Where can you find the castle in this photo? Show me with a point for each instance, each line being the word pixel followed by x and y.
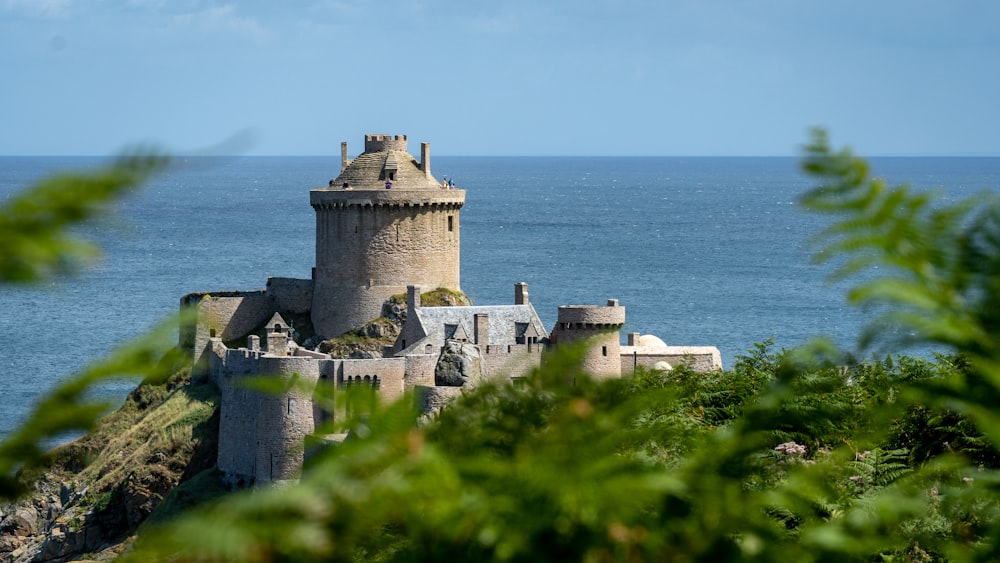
pixel 385 227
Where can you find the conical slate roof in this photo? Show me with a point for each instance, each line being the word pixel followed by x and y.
pixel 367 172
pixel 382 161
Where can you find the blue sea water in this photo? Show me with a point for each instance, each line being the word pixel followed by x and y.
pixel 701 251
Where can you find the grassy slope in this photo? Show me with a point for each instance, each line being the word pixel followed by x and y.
pixel 154 455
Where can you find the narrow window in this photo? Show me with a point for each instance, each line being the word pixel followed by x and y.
pixel 211 333
pixel 291 402
pixel 451 223
pixel 604 350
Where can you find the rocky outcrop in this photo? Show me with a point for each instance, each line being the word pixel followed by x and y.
pixel 102 486
pixel 459 365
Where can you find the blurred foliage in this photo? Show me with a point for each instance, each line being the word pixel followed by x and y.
pixel 791 455
pixel 37 242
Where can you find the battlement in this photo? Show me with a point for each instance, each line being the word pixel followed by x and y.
pixel 591 316
pixel 342 199
pixel 384 143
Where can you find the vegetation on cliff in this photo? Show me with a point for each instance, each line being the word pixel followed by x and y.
pixel 97 490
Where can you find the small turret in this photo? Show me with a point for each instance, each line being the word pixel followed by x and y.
pixel 600 327
pixel 278 334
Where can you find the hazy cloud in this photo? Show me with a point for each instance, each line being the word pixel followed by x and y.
pixel 36 8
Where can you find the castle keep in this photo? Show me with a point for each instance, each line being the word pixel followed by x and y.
pixel 382 224
pixel 385 227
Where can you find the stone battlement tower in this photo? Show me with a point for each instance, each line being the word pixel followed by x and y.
pixel 384 223
pixel 600 327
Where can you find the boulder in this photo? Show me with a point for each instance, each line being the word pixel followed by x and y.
pixel 23 522
pixel 459 365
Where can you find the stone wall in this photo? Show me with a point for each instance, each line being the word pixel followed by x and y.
pixel 388 371
pixel 229 315
pixel 238 412
pixel 290 295
pixel 371 244
pixel 512 360
pixel 261 435
pixel 284 420
pixel 420 369
pixel 699 358
pixel 430 400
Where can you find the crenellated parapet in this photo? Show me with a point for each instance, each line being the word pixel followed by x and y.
pixel 385 143
pixel 330 200
pixel 582 317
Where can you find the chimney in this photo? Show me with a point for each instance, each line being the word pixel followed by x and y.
pixel 482 329
pixel 343 156
pixel 520 293
pixel 425 158
pixel 412 298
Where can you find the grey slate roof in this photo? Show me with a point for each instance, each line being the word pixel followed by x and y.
pixel 506 322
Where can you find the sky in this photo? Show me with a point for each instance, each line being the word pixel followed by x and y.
pixel 508 78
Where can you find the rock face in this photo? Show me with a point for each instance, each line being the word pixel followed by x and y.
pixel 460 365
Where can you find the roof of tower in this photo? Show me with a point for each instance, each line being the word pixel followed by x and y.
pixel 385 158
pixel 364 180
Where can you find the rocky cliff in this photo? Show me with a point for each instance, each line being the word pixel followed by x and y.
pixel 103 486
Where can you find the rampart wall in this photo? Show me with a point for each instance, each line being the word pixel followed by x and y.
pixel 261 435
pixel 513 360
pixel 420 370
pixel 386 374
pixel 284 420
pixel 699 358
pixel 238 412
pixel 229 315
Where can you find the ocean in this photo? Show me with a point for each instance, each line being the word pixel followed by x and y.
pixel 700 251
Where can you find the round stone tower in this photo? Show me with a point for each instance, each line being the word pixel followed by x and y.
pixel 382 224
pixel 600 327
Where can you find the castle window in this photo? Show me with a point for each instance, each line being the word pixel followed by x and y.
pixel 291 403
pixel 604 350
pixel 451 223
pixel 211 333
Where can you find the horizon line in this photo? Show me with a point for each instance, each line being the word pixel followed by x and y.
pixel 337 156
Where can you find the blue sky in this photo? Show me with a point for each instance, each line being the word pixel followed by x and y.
pixel 514 77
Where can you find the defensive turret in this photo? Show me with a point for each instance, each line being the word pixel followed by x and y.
pixel 600 327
